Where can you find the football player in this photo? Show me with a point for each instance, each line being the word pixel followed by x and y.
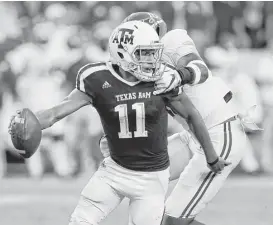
pixel 135 122
pixel 197 185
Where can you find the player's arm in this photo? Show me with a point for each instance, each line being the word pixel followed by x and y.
pixel 182 56
pixel 184 108
pixel 187 61
pixel 73 102
pixel 81 96
pixel 192 69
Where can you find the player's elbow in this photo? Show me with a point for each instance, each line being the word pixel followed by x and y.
pixel 200 71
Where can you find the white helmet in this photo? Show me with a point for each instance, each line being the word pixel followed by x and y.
pixel 128 45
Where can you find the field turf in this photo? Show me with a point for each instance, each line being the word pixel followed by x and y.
pixel 244 200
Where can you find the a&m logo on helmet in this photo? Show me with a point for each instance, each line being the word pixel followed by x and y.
pixel 124 36
pixel 135 47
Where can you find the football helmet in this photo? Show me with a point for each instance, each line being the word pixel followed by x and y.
pixel 135 47
pixel 153 20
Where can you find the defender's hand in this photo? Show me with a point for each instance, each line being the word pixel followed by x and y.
pixel 168 81
pixel 218 165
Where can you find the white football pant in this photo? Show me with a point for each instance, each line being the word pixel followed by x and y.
pixel 197 185
pixel 111 183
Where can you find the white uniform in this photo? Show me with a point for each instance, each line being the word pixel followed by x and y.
pixel 111 183
pixel 197 185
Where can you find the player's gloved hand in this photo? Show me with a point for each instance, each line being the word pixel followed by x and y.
pixel 168 81
pixel 218 165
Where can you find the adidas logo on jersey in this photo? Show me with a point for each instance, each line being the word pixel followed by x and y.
pixel 106 85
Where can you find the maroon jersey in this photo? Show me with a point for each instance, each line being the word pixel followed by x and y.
pixel 134 120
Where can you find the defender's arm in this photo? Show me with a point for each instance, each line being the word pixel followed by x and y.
pixel 181 53
pixel 192 69
pixel 73 102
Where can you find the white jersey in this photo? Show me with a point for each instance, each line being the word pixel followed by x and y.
pixel 207 97
pixel 177 44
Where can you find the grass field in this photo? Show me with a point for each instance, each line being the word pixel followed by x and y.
pixel 244 200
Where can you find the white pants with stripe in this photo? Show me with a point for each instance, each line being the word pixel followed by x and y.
pixel 197 185
pixel 111 183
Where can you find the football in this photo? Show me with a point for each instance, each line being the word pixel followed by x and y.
pixel 26 133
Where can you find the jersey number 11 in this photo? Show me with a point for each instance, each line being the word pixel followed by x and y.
pixel 124 123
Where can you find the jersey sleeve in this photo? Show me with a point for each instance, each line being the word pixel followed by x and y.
pixel 81 79
pixel 86 78
pixel 177 44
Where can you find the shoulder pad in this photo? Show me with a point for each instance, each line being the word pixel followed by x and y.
pixel 86 71
pixel 176 36
pixel 177 43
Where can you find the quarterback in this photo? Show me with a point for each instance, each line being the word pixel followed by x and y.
pixel 135 122
pixel 197 185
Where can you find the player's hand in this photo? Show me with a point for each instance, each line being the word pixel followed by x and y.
pixel 218 165
pixel 168 81
pixel 25 131
pixel 13 120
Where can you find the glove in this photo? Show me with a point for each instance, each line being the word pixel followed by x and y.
pixel 168 81
pixel 26 132
pixel 218 165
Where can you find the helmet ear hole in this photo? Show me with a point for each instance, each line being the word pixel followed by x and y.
pixel 120 55
pixel 157 31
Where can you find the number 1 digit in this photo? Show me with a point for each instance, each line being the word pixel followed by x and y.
pixel 124 123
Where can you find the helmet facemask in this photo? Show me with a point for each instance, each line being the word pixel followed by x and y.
pixel 146 62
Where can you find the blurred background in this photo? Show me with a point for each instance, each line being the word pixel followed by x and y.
pixel 44 44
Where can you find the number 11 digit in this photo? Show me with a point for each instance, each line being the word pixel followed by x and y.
pixel 124 123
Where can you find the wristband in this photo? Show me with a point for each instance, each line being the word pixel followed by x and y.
pixel 196 73
pixel 186 75
pixel 214 162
